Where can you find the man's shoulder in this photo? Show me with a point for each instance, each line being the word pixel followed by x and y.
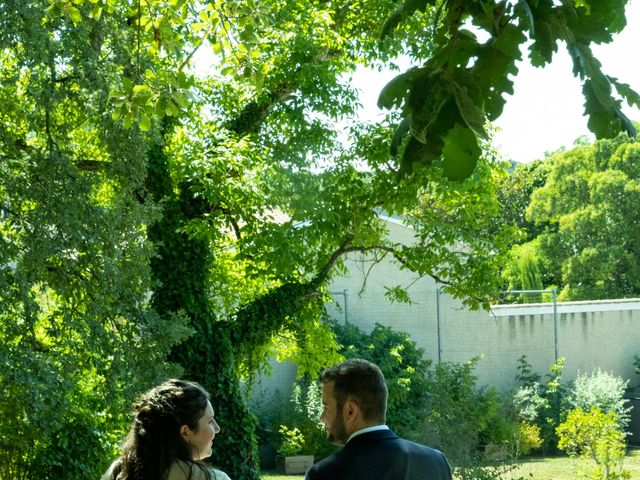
pixel 419 447
pixel 328 467
pixel 382 457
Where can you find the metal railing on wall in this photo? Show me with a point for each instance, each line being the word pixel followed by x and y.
pixel 344 309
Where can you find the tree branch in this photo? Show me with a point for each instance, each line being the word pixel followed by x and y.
pixel 397 256
pixel 323 274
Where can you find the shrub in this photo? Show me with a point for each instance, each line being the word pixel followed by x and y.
pixel 604 391
pixel 461 417
pixel 403 366
pixel 292 441
pixel 528 438
pixel 594 435
pixel 542 403
pixel 305 409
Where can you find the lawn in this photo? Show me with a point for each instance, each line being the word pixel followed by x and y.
pixel 547 468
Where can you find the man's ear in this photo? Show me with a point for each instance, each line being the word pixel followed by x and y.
pixel 350 410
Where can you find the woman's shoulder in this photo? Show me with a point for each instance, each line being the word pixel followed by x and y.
pixel 181 470
pixel 220 475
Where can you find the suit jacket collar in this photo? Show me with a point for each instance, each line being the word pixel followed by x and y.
pixel 370 437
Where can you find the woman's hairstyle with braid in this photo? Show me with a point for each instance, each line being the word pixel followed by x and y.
pixel 154 441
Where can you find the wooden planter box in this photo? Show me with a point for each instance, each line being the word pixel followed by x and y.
pixel 297 464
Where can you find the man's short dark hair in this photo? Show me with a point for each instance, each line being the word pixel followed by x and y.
pixel 362 382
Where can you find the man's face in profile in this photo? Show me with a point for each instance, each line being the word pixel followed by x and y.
pixel 332 416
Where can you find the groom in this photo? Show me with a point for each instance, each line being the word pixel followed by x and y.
pixel 354 396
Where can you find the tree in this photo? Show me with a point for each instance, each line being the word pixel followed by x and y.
pixel 515 191
pixel 78 338
pixel 143 203
pixel 588 246
pixel 522 270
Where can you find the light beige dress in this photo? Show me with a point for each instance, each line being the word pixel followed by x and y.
pixel 181 470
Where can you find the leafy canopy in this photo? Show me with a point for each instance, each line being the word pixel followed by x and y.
pixel 584 222
pixel 445 101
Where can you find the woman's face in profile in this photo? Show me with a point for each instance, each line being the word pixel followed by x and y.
pixel 201 438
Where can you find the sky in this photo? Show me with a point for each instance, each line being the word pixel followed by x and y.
pixel 546 110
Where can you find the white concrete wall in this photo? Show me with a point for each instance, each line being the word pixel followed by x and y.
pixel 604 334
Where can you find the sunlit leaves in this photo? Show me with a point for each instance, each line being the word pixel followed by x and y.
pixel 164 94
pixel 588 223
pixel 477 74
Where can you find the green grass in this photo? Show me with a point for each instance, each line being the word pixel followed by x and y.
pixel 544 468
pixel 562 467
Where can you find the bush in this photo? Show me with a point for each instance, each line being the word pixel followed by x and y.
pixel 461 417
pixel 305 409
pixel 601 390
pixel 292 441
pixel 594 435
pixel 403 366
pixel 542 403
pixel 528 438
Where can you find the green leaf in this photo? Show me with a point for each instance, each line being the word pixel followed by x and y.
pixel 74 13
pixel 523 5
pixel 605 120
pixel 394 92
pixel 96 12
pixel 145 122
pixel 141 88
pixel 629 94
pixel 470 112
pixel 460 153
pixel 399 134
pixel 171 109
pixel 408 8
pixel 228 71
pixel 397 294
pixel 180 99
pixel 544 44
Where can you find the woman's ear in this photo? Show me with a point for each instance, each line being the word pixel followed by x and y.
pixel 185 432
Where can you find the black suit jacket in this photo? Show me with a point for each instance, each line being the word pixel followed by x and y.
pixel 382 455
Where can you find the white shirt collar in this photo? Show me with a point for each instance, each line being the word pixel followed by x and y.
pixel 366 430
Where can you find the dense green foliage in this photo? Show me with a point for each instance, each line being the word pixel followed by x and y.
pixel 542 403
pixel 594 436
pixel 582 223
pixel 403 366
pixel 446 100
pixel 303 415
pixel 549 404
pixel 78 337
pixel 461 416
pixel 143 204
